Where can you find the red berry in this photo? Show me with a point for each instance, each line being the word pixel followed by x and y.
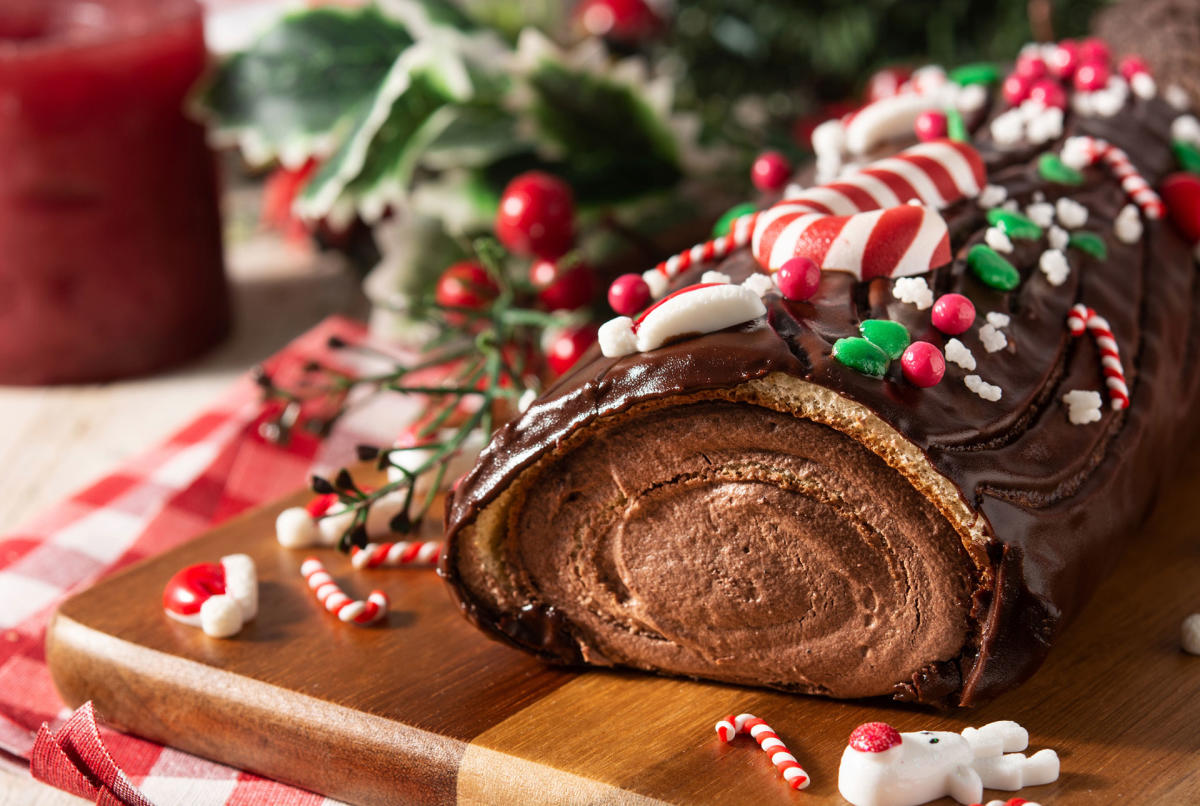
pixel 321 504
pixel 628 294
pixel 930 125
pixel 1048 93
pixel 569 346
pixel 1091 76
pixel 886 82
pixel 1094 51
pixel 953 314
pixel 770 171
pixel 1181 194
pixel 874 737
pixel 620 20
pixel 923 364
pixel 798 278
pixel 1031 66
pixel 536 216
pixel 1016 88
pixel 1132 66
pixel 465 285
pixel 1064 59
pixel 563 291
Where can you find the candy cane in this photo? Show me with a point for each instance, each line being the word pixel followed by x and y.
pixel 328 593
pixel 410 553
pixel 1083 318
pixel 860 224
pixel 769 741
pixel 1085 150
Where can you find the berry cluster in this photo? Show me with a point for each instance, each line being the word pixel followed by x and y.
pixel 1044 74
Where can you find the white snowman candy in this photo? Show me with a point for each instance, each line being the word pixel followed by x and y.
pixel 883 767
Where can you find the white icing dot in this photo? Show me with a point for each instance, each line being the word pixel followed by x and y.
pixel 1107 103
pixel 1071 213
pixel 759 283
pixel 1045 126
pixel 971 98
pixel 656 281
pixel 1127 226
pixel 1143 85
pixel 1190 634
pixel 958 353
pixel 992 196
pixel 993 340
pixel 1186 128
pixel 1030 109
pixel 1081 102
pixel 617 338
pixel 1038 196
pixel 1042 213
pixel 997 239
pixel 1058 238
pixel 1007 128
pixel 1177 97
pixel 714 277
pixel 1083 406
pixel 997 319
pixel 1076 153
pixel 1011 205
pixel 914 291
pixel 294 528
pixel 1053 264
pixel 985 390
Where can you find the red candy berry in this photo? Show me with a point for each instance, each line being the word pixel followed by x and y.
pixel 770 171
pixel 874 737
pixel 923 364
pixel 1091 76
pixel 1016 88
pixel 569 346
pixel 465 285
pixel 562 291
pixel 628 294
pixel 1048 93
pixel 1093 51
pixel 620 20
pixel 1064 59
pixel 1181 194
pixel 1031 66
pixel 1132 66
pixel 953 314
pixel 536 216
pixel 798 278
pixel 930 125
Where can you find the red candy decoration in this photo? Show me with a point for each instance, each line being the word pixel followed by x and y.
pixel 1094 51
pixel 953 314
pixel 1048 93
pixel 1031 66
pixel 321 504
pixel 569 346
pixel 1016 88
pixel 799 278
pixel 930 125
pixel 1065 59
pixel 1181 193
pixel 1091 76
pixel 874 737
pixel 620 20
pixel 1132 66
pixel 562 291
pixel 886 83
pixel 191 586
pixel 923 364
pixel 770 171
pixel 628 294
pixel 537 216
pixel 465 285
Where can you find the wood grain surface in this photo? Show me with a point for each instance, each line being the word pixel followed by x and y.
pixel 424 709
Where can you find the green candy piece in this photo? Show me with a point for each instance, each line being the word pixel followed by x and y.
pixel 1089 242
pixel 891 337
pixel 977 73
pixel 1187 155
pixel 1013 224
pixel 732 214
pixel 992 269
pixel 956 128
pixel 861 355
pixel 1053 169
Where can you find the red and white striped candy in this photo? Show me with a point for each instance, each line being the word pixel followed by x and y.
pixel 216 597
pixel 405 553
pixel 1084 150
pixel 695 309
pixel 334 599
pixel 769 741
pixel 1083 318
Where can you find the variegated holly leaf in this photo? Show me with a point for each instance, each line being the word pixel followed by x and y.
pixel 303 83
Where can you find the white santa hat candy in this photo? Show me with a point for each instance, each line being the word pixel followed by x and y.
pixel 697 309
pixel 217 597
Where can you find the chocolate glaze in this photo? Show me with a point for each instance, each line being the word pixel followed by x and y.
pixel 1060 501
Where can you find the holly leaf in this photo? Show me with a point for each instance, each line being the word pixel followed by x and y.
pixel 304 82
pixel 477 135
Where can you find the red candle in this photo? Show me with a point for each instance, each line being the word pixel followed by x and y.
pixel 110 242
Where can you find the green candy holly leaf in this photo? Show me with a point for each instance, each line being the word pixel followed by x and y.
pixel 1013 224
pixel 302 84
pixel 891 337
pixel 1187 155
pixel 977 73
pixel 729 216
pixel 1053 169
pixel 1090 243
pixel 992 269
pixel 861 355
pixel 956 127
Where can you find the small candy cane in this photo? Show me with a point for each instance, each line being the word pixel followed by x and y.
pixel 352 611
pixel 1085 150
pixel 1083 318
pixel 406 553
pixel 740 232
pixel 769 741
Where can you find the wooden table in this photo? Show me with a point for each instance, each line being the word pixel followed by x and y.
pixel 59 439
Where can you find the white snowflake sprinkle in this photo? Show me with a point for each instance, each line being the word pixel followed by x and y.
pixel 1144 86
pixel 1177 97
pixel 914 291
pixel 997 319
pixel 1041 213
pixel 1186 128
pixel 1011 205
pixel 958 353
pixel 1058 238
pixel 1038 196
pixel 1083 407
pixel 759 283
pixel 985 390
pixel 1047 125
pixel 992 196
pixel 1071 214
pixel 1127 226
pixel 1054 265
pixel 714 277
pixel 993 340
pixel 1008 127
pixel 997 239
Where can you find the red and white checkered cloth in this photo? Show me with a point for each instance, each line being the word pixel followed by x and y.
pixel 215 467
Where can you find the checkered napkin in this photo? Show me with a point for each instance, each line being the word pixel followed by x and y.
pixel 215 467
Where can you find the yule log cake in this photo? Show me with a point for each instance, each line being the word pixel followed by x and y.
pixel 885 435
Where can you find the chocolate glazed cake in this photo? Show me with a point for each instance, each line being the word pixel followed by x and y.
pixel 779 502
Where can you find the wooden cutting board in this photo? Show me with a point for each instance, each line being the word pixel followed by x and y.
pixel 425 709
